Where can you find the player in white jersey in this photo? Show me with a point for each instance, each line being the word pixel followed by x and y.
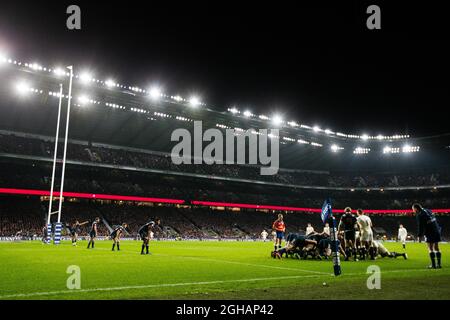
pixel 402 234
pixel 264 235
pixel 366 235
pixel 381 250
pixel 309 229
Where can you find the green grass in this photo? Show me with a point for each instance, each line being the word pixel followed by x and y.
pixel 209 270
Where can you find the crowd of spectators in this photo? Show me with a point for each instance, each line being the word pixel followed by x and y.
pixel 151 160
pixel 26 217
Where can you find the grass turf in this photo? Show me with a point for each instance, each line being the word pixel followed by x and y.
pixel 209 270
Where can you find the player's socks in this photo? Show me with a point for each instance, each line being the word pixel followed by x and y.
pixel 404 246
pixel 433 261
pixel 142 250
pixel 118 247
pixel 113 246
pixel 89 244
pixel 275 247
pixel 355 254
pixel 146 249
pixel 438 258
pixel 93 244
pixel 363 253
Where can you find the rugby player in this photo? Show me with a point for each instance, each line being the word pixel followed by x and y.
pixel 93 233
pixel 295 243
pixel 145 233
pixel 347 226
pixel 74 230
pixel 365 232
pixel 402 234
pixel 429 228
pixel 380 249
pixel 115 235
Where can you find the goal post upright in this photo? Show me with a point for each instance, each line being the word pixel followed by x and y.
pixel 58 226
pixel 55 155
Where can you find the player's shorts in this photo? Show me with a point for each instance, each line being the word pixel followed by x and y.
pixel 433 237
pixel 279 234
pixel 92 234
pixel 73 233
pixel 366 236
pixel 402 239
pixel 143 235
pixel 349 235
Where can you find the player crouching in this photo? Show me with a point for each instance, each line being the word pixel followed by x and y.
pixel 146 233
pixel 115 235
pixel 295 243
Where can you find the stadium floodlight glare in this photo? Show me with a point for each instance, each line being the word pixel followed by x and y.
pixel 83 99
pixel 155 93
pixel 233 110
pixel 380 137
pixel 110 83
pixel 59 71
pixel 247 113
pixel 277 120
pixel 85 77
pixel 365 137
pixel 293 124
pixel 22 88
pixel 263 117
pixel 407 148
pixel 334 148
pixel 177 98
pixel 316 129
pixel 3 58
pixel 194 101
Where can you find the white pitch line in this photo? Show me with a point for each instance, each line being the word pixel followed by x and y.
pixel 162 285
pixel 236 262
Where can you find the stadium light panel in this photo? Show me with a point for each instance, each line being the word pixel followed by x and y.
pixel 83 99
pixel 277 120
pixel 334 148
pixel 155 93
pixel 263 117
pixel 293 124
pixel 110 83
pixel 316 129
pixel 85 77
pixel 194 101
pixel 22 88
pixel 247 113
pixel 3 58
pixel 365 137
pixel 233 110
pixel 59 71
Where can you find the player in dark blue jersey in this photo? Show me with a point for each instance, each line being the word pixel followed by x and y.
pixel 74 230
pixel 429 228
pixel 294 242
pixel 115 235
pixel 347 226
pixel 93 233
pixel 146 233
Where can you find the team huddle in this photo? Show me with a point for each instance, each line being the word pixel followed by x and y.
pixel 355 238
pixel 145 232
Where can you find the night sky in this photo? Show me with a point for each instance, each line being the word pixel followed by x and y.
pixel 313 64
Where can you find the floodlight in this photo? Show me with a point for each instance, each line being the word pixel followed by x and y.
pixel 110 83
pixel 365 137
pixel 247 113
pixel 83 99
pixel 194 101
pixel 59 71
pixel 316 129
pixel 334 148
pixel 277 120
pixel 234 110
pixel 155 93
pixel 22 88
pixel 85 77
